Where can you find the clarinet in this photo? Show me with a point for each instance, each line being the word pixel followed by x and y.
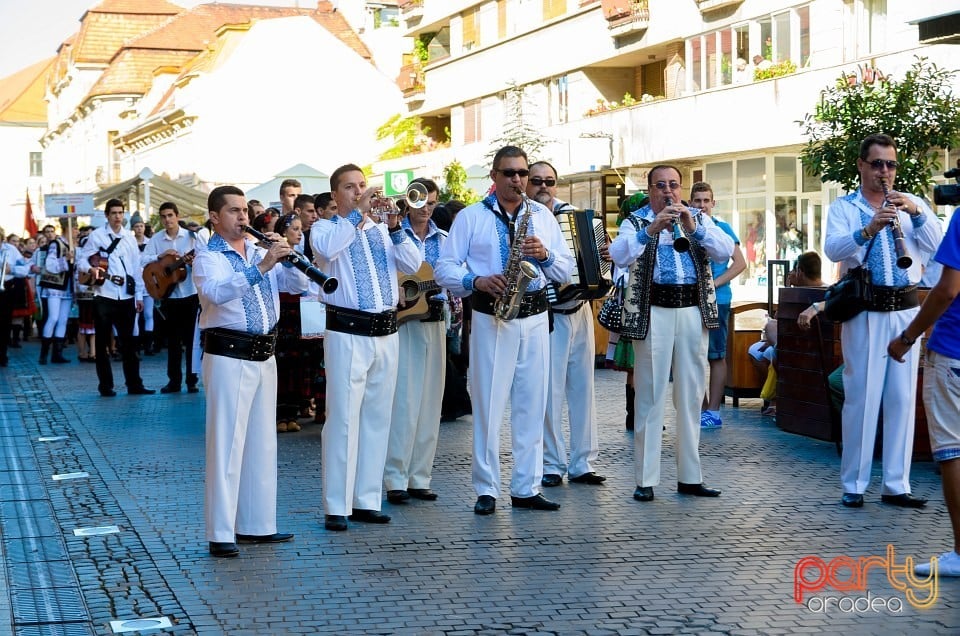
pixel 328 284
pixel 680 242
pixel 904 261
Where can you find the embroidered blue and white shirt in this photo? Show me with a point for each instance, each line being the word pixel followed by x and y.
pixel 234 294
pixel 364 258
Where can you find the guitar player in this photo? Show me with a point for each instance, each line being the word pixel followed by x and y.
pixel 181 308
pixel 415 423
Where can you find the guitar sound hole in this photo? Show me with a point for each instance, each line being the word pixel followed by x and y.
pixel 410 290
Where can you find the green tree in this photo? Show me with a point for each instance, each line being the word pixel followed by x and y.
pixel 517 131
pixel 406 133
pixel 455 184
pixel 919 112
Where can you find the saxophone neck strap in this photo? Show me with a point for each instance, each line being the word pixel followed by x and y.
pixel 507 220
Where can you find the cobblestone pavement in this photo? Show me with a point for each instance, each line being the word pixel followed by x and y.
pixel 603 564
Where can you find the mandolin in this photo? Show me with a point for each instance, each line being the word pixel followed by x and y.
pixel 415 291
pixel 163 275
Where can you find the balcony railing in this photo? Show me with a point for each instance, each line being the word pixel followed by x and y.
pixel 624 16
pixel 411 9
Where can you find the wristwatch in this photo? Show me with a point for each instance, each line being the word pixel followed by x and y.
pixel 905 340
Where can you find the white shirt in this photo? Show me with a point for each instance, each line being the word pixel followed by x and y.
pixel 124 261
pixel 234 294
pixel 479 245
pixel 11 256
pixel 184 242
pixel 364 261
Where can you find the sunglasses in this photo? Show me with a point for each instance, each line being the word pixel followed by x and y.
pixel 510 173
pixel 877 164
pixel 537 181
pixel 662 185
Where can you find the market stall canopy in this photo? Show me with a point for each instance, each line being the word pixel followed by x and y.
pixel 191 202
pixel 311 180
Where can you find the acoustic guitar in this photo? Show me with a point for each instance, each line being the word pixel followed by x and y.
pixel 163 275
pixel 415 291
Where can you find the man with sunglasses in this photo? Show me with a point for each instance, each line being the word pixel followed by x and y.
pixel 571 367
pixel 870 377
pixel 669 306
pixel 509 359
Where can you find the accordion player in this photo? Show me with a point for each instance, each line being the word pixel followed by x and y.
pixel 585 236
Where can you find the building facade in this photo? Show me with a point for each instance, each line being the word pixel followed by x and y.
pixel 716 87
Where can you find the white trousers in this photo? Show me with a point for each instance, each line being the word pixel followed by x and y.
pixel 872 379
pixel 241 438
pixel 571 377
pixel 58 312
pixel 509 361
pixel 415 425
pixel 361 379
pixel 676 338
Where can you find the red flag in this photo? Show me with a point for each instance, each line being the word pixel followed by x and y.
pixel 29 225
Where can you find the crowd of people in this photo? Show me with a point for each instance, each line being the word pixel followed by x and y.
pixel 346 309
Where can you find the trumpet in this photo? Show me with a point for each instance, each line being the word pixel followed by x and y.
pixel 904 260
pixel 328 284
pixel 680 242
pixel 415 197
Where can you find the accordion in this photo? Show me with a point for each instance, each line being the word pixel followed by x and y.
pixel 585 236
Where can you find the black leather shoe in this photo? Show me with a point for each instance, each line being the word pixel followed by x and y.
pixel 108 393
pixel 551 481
pixel 852 500
pixel 905 500
pixel 193 388
pixel 643 493
pixel 276 537
pixel 398 496
pixel 588 478
pixel 536 502
pixel 486 505
pixel 424 494
pixel 337 523
pixel 697 490
pixel 223 550
pixel 140 390
pixel 170 388
pixel 369 516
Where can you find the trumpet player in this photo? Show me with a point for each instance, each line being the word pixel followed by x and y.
pixel 237 283
pixel 509 358
pixel 364 251
pixel 671 297
pixel 871 379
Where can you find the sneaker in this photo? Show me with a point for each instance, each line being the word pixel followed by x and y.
pixel 708 420
pixel 948 564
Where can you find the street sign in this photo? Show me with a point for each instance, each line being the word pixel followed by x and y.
pixel 55 205
pixel 395 184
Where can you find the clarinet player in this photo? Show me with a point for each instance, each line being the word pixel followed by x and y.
pixel 507 246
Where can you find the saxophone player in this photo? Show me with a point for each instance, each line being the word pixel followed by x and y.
pixel 485 256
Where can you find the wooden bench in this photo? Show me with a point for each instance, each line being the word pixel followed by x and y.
pixel 744 327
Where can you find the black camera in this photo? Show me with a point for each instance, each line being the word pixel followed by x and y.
pixel 948 194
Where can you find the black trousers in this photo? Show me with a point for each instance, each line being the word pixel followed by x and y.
pixel 181 322
pixel 120 314
pixel 6 317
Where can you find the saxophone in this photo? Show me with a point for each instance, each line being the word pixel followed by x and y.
pixel 518 272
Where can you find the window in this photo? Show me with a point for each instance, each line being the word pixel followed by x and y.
pixel 803 14
pixel 471 29
pixel 471 122
pixel 559 100
pixel 36 164
pixel 554 8
pixel 652 78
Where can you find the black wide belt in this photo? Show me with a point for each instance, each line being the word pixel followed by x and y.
pixel 531 304
pixel 239 344
pixel 436 311
pixel 568 312
pixel 361 323
pixel 674 296
pixel 893 298
pixel 117 280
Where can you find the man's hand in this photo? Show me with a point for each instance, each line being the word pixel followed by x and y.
pixel 278 251
pixel 533 247
pixel 495 285
pixel 897 348
pixel 139 305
